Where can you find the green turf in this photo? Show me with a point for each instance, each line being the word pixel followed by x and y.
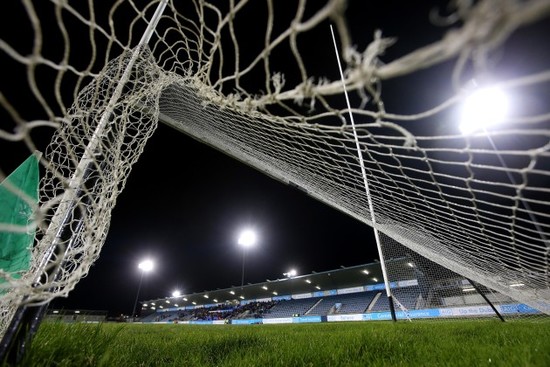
pixel 420 343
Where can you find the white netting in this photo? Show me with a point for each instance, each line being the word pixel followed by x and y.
pixel 419 285
pixel 476 204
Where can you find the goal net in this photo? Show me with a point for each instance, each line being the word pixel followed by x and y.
pixel 86 84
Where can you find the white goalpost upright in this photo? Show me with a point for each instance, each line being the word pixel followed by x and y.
pixel 365 183
pixel 451 212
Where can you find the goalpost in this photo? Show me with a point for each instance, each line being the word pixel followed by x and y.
pixel 472 207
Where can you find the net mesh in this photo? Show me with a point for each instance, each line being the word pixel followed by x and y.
pixel 422 288
pixel 245 77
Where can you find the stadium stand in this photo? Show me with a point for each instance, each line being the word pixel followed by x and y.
pixel 346 294
pixel 380 303
pixel 70 316
pixel 356 302
pixel 294 307
pixel 343 303
pixel 408 297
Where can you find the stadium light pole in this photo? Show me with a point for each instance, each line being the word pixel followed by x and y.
pixel 482 108
pixel 145 266
pixel 246 240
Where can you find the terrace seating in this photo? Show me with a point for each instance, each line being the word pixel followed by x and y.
pixel 348 303
pixel 288 308
pixel 407 297
pixel 356 302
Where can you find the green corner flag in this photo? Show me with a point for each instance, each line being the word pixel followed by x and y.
pixel 15 247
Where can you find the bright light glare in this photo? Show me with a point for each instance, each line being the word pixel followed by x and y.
pixel 291 273
pixel 146 265
pixel 176 293
pixel 247 238
pixel 483 108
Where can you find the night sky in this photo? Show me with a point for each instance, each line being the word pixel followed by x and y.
pixel 185 203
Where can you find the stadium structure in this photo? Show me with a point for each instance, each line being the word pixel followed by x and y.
pixel 353 293
pixel 72 316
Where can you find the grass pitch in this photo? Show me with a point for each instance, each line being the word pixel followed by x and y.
pixel 419 343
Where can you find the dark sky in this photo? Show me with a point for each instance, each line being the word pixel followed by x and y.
pixel 185 203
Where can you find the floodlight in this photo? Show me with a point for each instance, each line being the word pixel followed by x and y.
pixel 146 265
pixel 291 273
pixel 247 238
pixel 483 108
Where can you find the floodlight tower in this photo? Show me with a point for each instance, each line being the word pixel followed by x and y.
pixel 482 108
pixel 246 240
pixel 145 266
